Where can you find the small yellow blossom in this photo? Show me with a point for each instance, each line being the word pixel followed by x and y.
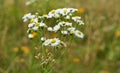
pixel 15 50
pixel 76 60
pixel 117 33
pixel 80 10
pixel 37 24
pixel 34 34
pixel 53 11
pixel 79 32
pixel 65 11
pixel 25 49
pixel 32 20
pixel 53 41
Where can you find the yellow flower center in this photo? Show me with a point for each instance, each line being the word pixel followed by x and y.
pixel 37 24
pixel 65 11
pixel 32 20
pixel 76 16
pixel 45 15
pixel 79 32
pixel 53 41
pixel 117 33
pixel 53 11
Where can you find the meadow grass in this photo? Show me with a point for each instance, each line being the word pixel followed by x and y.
pixel 98 52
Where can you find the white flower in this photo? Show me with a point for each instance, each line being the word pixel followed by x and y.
pixel 68 24
pixel 35 28
pixel 71 30
pixel 35 20
pixel 27 17
pixel 64 32
pixel 80 22
pixel 76 18
pixel 53 14
pixel 30 36
pixel 50 29
pixel 54 42
pixel 43 38
pixel 67 17
pixel 64 23
pixel 79 34
pixel 31 25
pixel 42 24
pixel 64 12
pixel 56 28
pixel 47 42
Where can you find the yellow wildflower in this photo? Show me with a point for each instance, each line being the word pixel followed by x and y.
pixel 32 20
pixel 53 11
pixel 76 60
pixel 80 10
pixel 25 49
pixel 117 33
pixel 37 24
pixel 34 34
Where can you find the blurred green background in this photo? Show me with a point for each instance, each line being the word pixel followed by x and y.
pixel 98 52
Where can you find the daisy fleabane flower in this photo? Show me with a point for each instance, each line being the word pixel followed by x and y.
pixel 43 39
pixel 64 32
pixel 62 23
pixel 61 12
pixel 78 20
pixel 52 42
pixel 79 34
pixel 28 16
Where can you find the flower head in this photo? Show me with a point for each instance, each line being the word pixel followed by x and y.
pixel 25 49
pixel 117 33
pixel 80 10
pixel 52 42
pixel 27 17
pixel 34 34
pixel 79 34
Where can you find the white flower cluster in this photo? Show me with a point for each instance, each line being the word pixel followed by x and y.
pixel 34 24
pixel 61 12
pixel 65 23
